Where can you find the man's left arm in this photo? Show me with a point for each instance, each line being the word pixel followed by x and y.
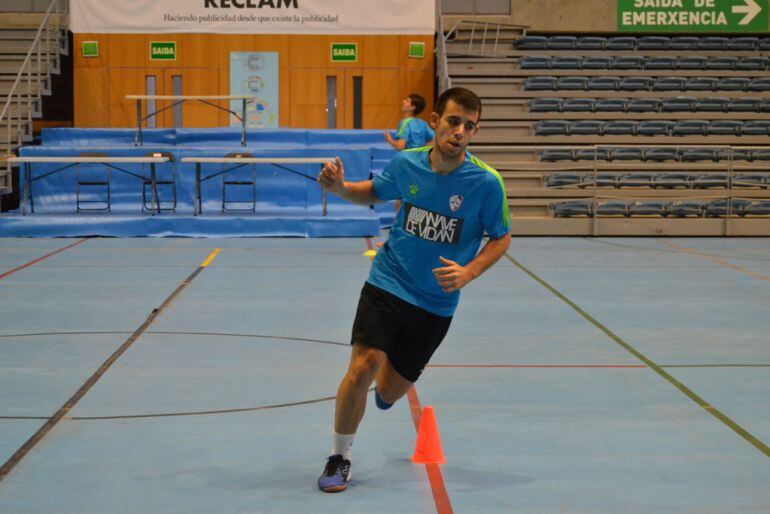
pixel 452 276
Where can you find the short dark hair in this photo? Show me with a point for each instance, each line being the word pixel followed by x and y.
pixel 462 97
pixel 418 102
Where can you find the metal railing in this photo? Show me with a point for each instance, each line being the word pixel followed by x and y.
pixel 485 36
pixel 35 71
pixel 442 68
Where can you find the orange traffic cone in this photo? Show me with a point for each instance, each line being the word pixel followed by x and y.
pixel 428 448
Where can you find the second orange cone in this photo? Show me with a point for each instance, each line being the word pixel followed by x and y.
pixel 428 448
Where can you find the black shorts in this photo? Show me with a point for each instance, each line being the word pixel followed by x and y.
pixel 406 333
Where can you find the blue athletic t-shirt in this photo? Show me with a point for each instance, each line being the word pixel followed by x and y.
pixel 415 132
pixel 440 215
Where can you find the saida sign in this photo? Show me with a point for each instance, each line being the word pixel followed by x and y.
pixel 692 15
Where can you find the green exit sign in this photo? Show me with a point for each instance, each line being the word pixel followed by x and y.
pixel 90 48
pixel 692 15
pixel 162 50
pixel 344 52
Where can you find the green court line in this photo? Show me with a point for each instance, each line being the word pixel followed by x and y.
pixel 762 447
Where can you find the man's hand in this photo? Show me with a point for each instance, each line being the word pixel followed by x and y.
pixel 332 177
pixel 452 276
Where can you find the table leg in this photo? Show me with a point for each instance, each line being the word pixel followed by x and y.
pixel 154 201
pixel 197 207
pixel 26 185
pixel 138 136
pixel 243 122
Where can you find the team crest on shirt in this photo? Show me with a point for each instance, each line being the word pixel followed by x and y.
pixel 455 201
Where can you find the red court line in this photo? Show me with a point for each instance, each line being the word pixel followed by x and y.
pixel 35 261
pixel 440 496
pixel 538 366
pixel 369 244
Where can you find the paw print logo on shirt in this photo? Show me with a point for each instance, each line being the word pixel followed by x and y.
pixel 413 189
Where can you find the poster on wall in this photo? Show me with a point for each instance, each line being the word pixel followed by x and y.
pixel 253 16
pixel 256 74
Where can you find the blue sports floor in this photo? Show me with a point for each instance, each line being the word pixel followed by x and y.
pixel 579 376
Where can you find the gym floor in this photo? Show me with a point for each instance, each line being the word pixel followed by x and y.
pixel 580 375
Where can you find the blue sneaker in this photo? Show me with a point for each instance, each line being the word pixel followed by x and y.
pixel 336 475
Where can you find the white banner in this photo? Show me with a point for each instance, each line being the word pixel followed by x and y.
pixel 253 16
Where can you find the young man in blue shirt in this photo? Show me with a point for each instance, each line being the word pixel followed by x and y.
pixel 450 199
pixel 412 132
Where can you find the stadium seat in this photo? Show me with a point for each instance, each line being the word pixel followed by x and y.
pixel 679 104
pixel 566 63
pixel 601 154
pixel 648 208
pixel 552 128
pixel 742 43
pixel 561 43
pixel 744 104
pixel 572 83
pixel 563 179
pixel 761 154
pixel 669 84
pixel 557 154
pixel 534 63
pixel 623 43
pixel 661 154
pixel 660 63
pixel 623 153
pixel 701 84
pixel 674 180
pixel 578 105
pixel 757 208
pixel 654 128
pixel 764 105
pixel 591 43
pixel 597 63
pixel 686 209
pixel 711 43
pixel 733 84
pixel 546 104
pixel 653 43
pixel 603 83
pixel 628 63
pixel 738 154
pixel 645 105
pixel 753 64
pixel 700 154
pixel 723 206
pixel 531 43
pixel 611 104
pixel 691 63
pixel 764 43
pixel 683 43
pixel 612 208
pixel 587 128
pixel 759 84
pixel 572 208
pixel 710 180
pixel 636 83
pixel 724 128
pixel 756 128
pixel 620 128
pixel 637 180
pixel 750 180
pixel 540 83
pixel 712 104
pixel 690 128
pixel 602 180
pixel 721 63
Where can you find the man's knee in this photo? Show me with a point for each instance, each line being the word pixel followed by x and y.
pixel 364 366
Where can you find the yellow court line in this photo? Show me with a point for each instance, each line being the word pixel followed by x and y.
pixel 210 258
pixel 717 260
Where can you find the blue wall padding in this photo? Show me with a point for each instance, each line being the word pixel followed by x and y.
pixel 293 202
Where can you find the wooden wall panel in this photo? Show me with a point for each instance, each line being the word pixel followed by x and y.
pixel 304 63
pixel 92 98
pixel 195 81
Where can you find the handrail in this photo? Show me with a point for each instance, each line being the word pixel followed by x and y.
pixel 496 27
pixel 442 67
pixel 35 52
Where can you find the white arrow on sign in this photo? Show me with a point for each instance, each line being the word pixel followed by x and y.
pixel 751 9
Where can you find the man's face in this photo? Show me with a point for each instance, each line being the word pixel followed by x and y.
pixel 454 129
pixel 406 105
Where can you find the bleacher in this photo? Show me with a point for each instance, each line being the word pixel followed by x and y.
pixel 623 135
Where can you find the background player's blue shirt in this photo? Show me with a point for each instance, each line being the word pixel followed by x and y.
pixel 415 132
pixel 440 215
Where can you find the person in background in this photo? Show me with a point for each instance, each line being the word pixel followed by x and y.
pixel 411 132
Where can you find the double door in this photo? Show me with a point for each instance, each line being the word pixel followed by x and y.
pixel 165 81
